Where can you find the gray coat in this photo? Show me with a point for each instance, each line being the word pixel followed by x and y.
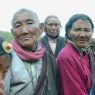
pixel 17 81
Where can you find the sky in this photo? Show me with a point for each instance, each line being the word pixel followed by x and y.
pixel 63 9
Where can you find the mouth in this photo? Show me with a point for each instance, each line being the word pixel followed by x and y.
pixel 25 37
pixel 53 33
pixel 82 41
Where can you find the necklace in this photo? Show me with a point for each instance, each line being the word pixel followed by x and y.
pixel 34 71
pixel 29 70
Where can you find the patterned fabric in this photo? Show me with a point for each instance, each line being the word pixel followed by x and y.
pixel 34 71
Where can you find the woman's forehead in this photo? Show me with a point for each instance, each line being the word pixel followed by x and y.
pixel 82 23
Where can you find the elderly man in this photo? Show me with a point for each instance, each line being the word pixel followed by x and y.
pixel 33 70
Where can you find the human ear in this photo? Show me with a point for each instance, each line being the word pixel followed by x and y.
pixel 12 32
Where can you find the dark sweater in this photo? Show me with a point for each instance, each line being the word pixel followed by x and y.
pixel 59 44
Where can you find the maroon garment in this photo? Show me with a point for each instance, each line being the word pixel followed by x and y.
pixel 74 71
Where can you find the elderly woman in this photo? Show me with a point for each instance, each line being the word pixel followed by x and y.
pixel 74 61
pixel 52 40
pixel 33 71
pixel 5 61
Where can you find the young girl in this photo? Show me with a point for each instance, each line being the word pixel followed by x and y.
pixel 5 60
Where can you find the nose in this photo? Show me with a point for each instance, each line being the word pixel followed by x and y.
pixel 82 34
pixel 25 29
pixel 53 27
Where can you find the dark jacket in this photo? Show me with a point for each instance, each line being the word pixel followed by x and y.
pixel 50 86
pixel 60 44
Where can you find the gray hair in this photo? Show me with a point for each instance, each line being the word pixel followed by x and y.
pixel 24 10
pixel 49 17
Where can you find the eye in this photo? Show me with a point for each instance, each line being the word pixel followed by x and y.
pixel 30 22
pixel 77 29
pixel 53 24
pixel 50 24
pixel 16 25
pixel 87 30
pixel 56 24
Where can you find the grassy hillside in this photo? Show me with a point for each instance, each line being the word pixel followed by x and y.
pixel 6 35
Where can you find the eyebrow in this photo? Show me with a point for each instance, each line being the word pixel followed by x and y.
pixel 30 20
pixel 16 22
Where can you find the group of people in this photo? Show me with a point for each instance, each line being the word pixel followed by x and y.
pixel 46 65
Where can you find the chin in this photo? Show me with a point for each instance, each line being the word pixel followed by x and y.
pixel 82 46
pixel 26 44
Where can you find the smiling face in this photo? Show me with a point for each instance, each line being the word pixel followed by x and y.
pixel 53 27
pixel 26 29
pixel 81 33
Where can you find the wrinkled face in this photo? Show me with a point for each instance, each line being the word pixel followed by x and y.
pixel 81 32
pixel 53 27
pixel 26 30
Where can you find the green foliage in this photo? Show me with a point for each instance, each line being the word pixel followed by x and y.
pixel 6 35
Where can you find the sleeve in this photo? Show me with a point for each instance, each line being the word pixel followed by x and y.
pixel 70 79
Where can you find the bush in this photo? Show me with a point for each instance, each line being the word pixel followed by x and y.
pixel 6 35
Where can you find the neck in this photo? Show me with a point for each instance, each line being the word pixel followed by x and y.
pixel 33 48
pixel 52 37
